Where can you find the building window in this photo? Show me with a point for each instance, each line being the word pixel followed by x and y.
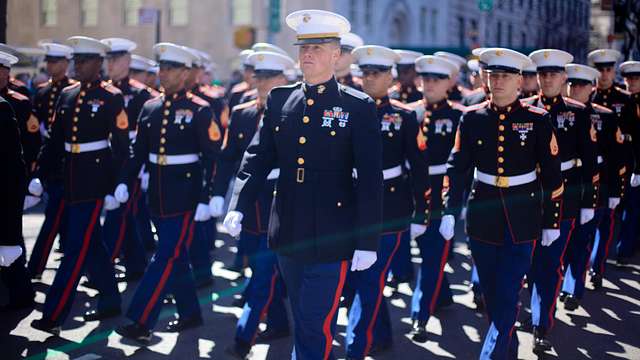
pixel 241 12
pixel 178 12
pixel 89 12
pixel 498 33
pixel 461 31
pixel 523 40
pixel 434 23
pixel 510 35
pixel 131 11
pixel 49 12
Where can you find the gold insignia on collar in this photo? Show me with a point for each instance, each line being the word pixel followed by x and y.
pixel 321 89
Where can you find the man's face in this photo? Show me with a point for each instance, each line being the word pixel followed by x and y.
pixel 318 59
pixel 580 91
pixel 87 68
pixel 264 84
pixel 406 74
pixel 247 75
pixel 504 85
pixel 376 82
pixel 434 88
pixel 57 67
pixel 607 74
pixel 633 83
pixel 118 66
pixel 551 82
pixel 4 76
pixel 152 79
pixel 193 77
pixel 344 61
pixel 172 78
pixel 529 82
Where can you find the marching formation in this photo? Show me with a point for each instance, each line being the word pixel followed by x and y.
pixel 327 170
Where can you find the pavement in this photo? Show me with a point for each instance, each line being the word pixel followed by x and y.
pixel 605 326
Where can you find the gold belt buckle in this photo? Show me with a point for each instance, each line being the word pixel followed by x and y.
pixel 75 148
pixel 502 181
pixel 300 175
pixel 162 160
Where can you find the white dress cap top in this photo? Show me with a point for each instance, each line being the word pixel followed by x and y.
pixel 375 56
pixel 317 26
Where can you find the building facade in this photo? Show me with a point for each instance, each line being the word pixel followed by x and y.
pixel 210 25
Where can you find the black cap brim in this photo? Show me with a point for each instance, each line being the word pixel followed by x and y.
pixel 502 69
pixel 631 73
pixel 431 75
pixel 372 67
pixel 266 73
pixel 547 69
pixel 575 81
pixel 316 41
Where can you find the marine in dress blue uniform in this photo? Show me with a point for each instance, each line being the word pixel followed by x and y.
pixel 628 238
pixel 407 199
pixel 179 141
pixel 610 163
pixel 90 132
pixel 13 273
pixel 237 91
pixel 577 139
pixel 265 291
pixel 57 57
pixel 438 123
pixel 316 133
pixel 405 90
pixel 457 92
pixel 618 100
pixel 348 42
pixel 120 232
pixel 505 142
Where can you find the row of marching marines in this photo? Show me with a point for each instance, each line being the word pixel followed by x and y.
pixel 326 183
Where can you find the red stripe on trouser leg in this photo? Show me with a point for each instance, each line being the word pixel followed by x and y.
pixel 191 230
pixel 443 261
pixel 52 235
pixel 79 261
pixel 123 226
pixel 167 271
pixel 552 308
pixel 376 309
pixel 326 326
pixel 265 308
pixel 609 239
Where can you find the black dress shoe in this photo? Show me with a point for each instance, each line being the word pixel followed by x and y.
pixel 135 332
pixel 419 332
pixel 169 299
pixel 444 302
pixel 178 325
pixel 571 303
pixel 270 335
pixel 127 277
pixel 563 296
pixel 378 349
pixel 479 301
pixel 239 350
pixel 204 283
pixel 46 326
pixel 239 302
pixel 540 344
pixel 95 315
pixel 596 281
pixel 526 324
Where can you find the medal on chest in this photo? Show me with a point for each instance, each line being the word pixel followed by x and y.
pixel 183 116
pixel 328 117
pixel 523 130
pixel 95 104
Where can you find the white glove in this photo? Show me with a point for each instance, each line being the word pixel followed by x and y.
pixel 613 202
pixel 9 254
pixel 121 193
pixel 635 180
pixel 144 181
pixel 35 187
pixel 549 236
pixel 363 259
pixel 216 206
pixel 202 213
pixel 447 227
pixel 233 223
pixel 110 203
pixel 417 230
pixel 586 215
pixel 30 201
